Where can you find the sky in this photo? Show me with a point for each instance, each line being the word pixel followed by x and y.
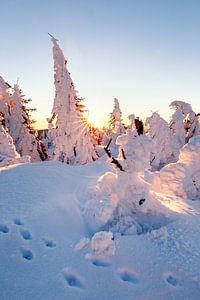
pixel 146 53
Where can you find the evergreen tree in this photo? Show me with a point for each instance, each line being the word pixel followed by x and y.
pixel 177 126
pixel 163 138
pixel 73 144
pixel 123 196
pixel 191 125
pixel 184 123
pixel 115 124
pixel 5 99
pixel 8 153
pixel 20 127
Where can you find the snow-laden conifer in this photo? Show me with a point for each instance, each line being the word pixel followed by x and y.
pixel 115 125
pixel 20 127
pixel 5 99
pixel 8 153
pixel 72 140
pixel 123 196
pixel 163 138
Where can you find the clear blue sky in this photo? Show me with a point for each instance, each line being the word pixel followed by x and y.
pixel 144 52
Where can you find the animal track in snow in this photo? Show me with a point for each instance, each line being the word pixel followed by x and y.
pixel 100 263
pixel 128 276
pixel 18 222
pixel 72 279
pixel 49 243
pixel 4 228
pixel 25 234
pixel 170 279
pixel 27 254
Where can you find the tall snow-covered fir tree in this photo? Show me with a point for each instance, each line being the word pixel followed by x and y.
pixel 72 140
pixel 20 127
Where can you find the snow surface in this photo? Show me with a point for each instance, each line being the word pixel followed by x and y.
pixel 48 252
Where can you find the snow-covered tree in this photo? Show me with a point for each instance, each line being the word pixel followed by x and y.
pixel 20 127
pixel 181 179
pixel 177 126
pixel 132 122
pixel 192 125
pixel 184 120
pixel 136 123
pixel 123 195
pixel 183 106
pixel 5 99
pixel 72 140
pixel 115 124
pixel 8 153
pixel 163 138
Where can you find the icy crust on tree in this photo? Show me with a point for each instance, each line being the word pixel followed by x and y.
pixel 165 144
pixel 8 153
pixel 123 198
pixel 181 179
pixel 73 143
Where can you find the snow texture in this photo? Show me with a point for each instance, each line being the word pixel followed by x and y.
pixel 44 201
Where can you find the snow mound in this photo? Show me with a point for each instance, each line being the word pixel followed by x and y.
pixel 102 243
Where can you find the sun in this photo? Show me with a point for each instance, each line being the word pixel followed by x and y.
pixel 93 121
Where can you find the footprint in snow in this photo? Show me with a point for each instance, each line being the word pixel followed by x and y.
pixel 170 279
pixel 26 234
pixel 128 276
pixel 18 222
pixel 49 243
pixel 100 263
pixel 4 228
pixel 72 279
pixel 27 254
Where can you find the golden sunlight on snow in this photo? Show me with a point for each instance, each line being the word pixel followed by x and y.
pixel 175 204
